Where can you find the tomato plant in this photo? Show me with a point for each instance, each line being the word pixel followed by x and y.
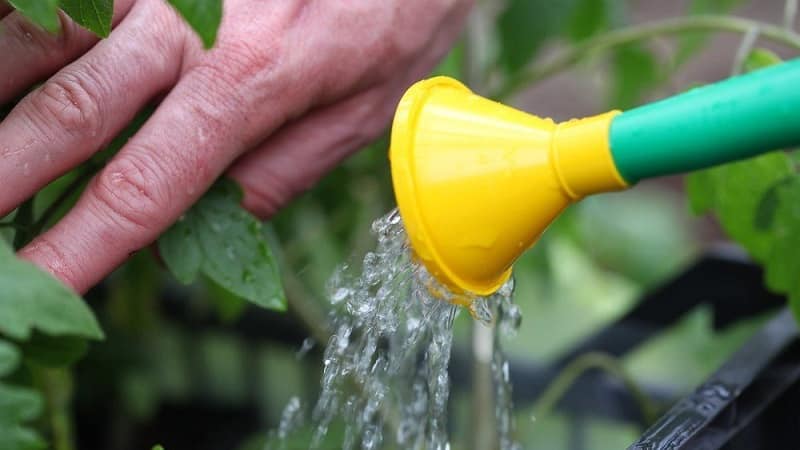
pixel 230 261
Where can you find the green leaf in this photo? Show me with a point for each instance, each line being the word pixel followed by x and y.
pixel 635 72
pixel 692 42
pixel 94 15
pixel 51 351
pixel 158 447
pixel 204 16
pixel 589 18
pixel 735 192
pixel 783 262
pixel 18 406
pixel 9 358
pixel 43 13
pixel 221 240
pixel 31 300
pixel 525 25
pixel 228 305
pixel 760 58
pixel 701 188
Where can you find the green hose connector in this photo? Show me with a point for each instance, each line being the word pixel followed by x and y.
pixel 727 121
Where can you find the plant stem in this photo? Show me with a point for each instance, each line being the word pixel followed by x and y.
pixel 56 385
pixel 634 33
pixel 789 14
pixel 22 222
pixel 85 172
pixel 745 48
pixel 10 225
pixel 559 386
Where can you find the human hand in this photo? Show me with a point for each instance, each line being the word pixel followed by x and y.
pixel 289 90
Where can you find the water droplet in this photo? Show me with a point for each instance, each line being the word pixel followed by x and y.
pixel 339 295
pixel 393 338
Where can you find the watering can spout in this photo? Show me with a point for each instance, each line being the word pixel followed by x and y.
pixel 478 182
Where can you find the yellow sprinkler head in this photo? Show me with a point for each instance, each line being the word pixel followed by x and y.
pixel 478 182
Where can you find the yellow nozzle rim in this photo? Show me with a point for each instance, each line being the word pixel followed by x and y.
pixel 477 182
pixel 404 182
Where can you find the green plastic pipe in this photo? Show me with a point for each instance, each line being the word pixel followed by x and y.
pixel 727 121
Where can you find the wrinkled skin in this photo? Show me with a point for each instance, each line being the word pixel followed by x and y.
pixel 289 90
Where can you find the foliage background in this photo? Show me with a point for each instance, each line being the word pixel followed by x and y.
pixel 198 366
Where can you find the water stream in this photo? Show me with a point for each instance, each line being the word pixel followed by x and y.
pixel 385 377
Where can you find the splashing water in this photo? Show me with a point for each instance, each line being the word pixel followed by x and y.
pixel 385 367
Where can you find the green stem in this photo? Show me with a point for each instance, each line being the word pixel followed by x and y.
pixel 601 361
pixel 634 33
pixel 85 172
pixel 10 225
pixel 22 222
pixel 56 385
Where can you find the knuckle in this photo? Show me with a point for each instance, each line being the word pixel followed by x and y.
pixel 240 66
pixel 70 101
pixel 265 198
pixel 128 194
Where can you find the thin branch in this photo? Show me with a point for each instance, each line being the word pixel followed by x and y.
pixel 23 222
pixel 748 42
pixel 86 172
pixel 561 384
pixel 790 14
pixel 634 33
pixel 10 225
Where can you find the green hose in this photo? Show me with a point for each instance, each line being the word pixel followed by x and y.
pixel 727 121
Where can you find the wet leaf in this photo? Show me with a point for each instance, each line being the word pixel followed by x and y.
pixel 31 299
pixel 221 240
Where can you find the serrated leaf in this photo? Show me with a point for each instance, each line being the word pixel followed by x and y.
pixel 525 25
pixel 50 351
pixel 204 16
pixel 9 357
pixel 43 13
pixel 635 71
pixel 19 405
pixel 33 300
pixel 221 240
pixel 94 15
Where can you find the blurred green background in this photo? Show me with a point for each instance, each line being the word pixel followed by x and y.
pixel 193 368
